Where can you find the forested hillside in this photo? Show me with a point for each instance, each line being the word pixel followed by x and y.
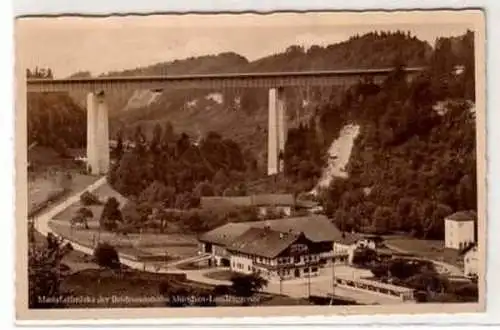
pixel 414 161
pixel 194 113
pixel 54 120
pixel 377 49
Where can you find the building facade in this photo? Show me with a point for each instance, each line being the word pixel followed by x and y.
pixel 471 262
pixel 317 228
pixel 275 255
pixel 215 242
pixel 267 205
pixel 460 230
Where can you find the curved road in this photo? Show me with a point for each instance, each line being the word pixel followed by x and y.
pixel 42 221
pixel 445 267
pixel 295 289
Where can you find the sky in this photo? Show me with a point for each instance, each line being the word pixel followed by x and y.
pixel 98 45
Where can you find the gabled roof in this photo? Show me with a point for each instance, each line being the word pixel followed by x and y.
pixel 224 235
pixel 307 204
pixel 221 201
pixel 263 242
pixel 468 248
pixel 254 200
pixel 349 238
pixel 273 199
pixel 317 228
pixel 463 216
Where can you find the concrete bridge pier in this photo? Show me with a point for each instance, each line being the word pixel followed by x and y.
pixel 97 134
pixel 277 131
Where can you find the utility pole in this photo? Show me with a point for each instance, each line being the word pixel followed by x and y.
pixel 333 280
pixel 281 284
pixel 308 279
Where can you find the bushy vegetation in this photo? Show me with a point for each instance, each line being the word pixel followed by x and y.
pixel 147 217
pixel 54 119
pixel 111 215
pixel 412 164
pixel 421 276
pixel 45 270
pixel 169 168
pixel 170 171
pixel 106 256
pixel 246 285
pixel 87 198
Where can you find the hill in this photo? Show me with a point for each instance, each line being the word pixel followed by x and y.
pixel 241 115
pixel 55 120
pixel 414 160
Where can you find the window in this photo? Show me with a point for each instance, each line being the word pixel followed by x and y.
pixel 314 269
pixel 249 268
pixel 306 270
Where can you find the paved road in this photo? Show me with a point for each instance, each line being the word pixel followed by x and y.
pixel 298 288
pixel 42 225
pixel 443 267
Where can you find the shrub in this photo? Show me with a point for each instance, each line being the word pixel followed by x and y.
pixel 247 285
pixel 88 198
pixel 380 270
pixel 421 296
pixel 467 292
pixel 221 290
pixel 106 255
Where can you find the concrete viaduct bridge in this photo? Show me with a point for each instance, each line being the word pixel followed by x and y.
pixel 97 89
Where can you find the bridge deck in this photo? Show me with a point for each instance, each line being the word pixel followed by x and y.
pixel 211 81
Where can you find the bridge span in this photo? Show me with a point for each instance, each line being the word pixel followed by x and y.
pixel 98 88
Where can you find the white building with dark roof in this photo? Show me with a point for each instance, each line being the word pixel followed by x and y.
pixel 471 261
pixel 460 228
pixel 274 254
pixel 265 203
pixel 316 228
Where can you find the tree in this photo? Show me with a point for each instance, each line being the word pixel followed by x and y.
pixel 364 256
pixel 382 217
pixel 82 216
pixel 175 296
pixel 380 270
pixel 155 144
pixel 428 282
pixel 106 256
pixel 87 199
pixel 168 135
pixel 118 151
pixel 467 292
pixel 204 189
pixel 111 215
pixel 246 285
pixel 404 269
pixel 44 271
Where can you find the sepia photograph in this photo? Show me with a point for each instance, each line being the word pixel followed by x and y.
pixel 242 164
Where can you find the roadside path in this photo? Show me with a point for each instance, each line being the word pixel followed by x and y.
pixel 42 221
pixel 443 267
pixel 297 289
